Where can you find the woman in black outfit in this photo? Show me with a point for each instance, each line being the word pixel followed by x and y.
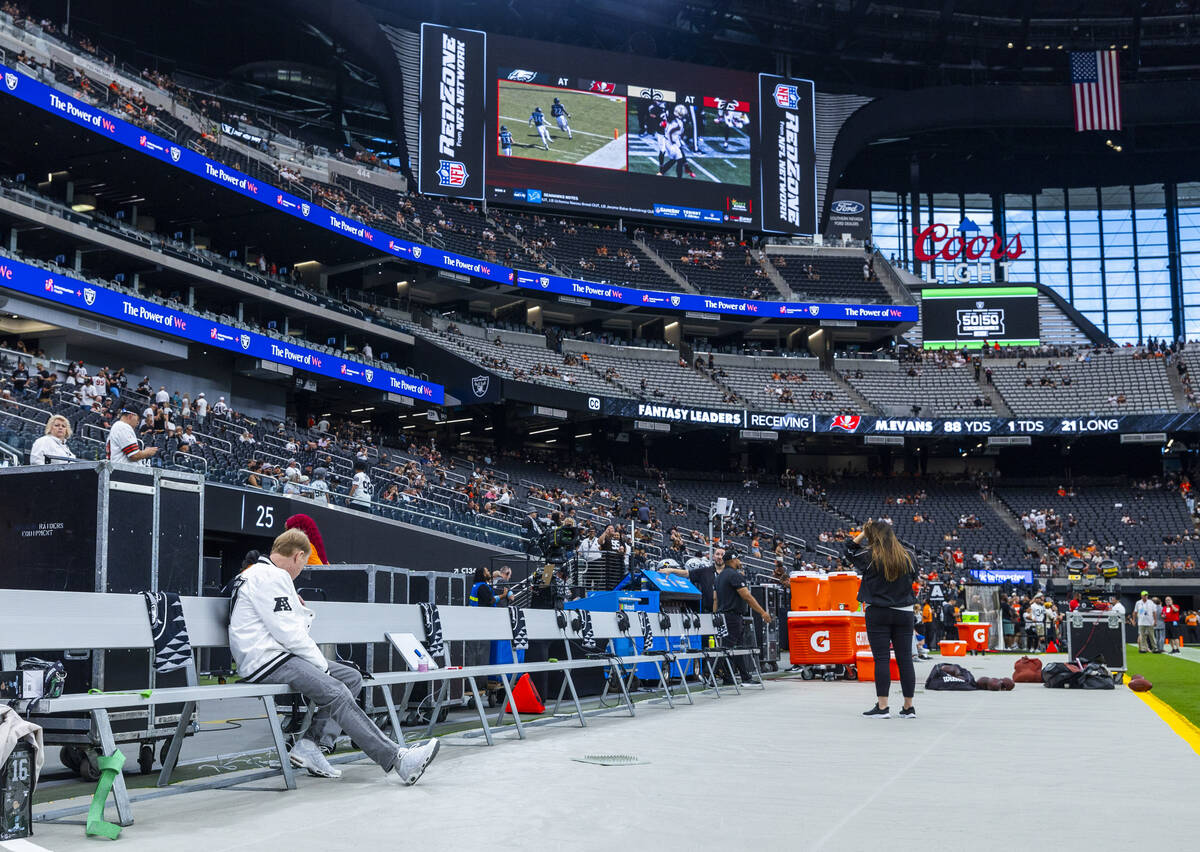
pixel 886 592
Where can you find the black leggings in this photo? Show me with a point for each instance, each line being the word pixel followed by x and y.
pixel 893 628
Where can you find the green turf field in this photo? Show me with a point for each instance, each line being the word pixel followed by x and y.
pixel 714 159
pixel 1176 680
pixel 593 119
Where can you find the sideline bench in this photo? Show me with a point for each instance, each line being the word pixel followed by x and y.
pixel 61 621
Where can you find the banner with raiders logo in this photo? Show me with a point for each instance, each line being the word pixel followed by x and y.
pixel 849 215
pixel 789 159
pixel 968 316
pixel 452 111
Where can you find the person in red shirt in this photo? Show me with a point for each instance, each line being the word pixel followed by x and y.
pixel 1170 617
pixel 1073 604
pixel 1141 566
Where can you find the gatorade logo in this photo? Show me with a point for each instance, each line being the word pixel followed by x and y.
pixel 860 639
pixel 980 635
pixel 820 641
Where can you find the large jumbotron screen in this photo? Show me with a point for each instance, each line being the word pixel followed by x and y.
pixel 557 127
pixel 955 317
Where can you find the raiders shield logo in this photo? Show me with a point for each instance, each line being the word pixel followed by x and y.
pixel 544 281
pixel 369 374
pixel 244 340
pixel 10 80
pixel 416 252
pixel 175 153
pixel 89 296
pixel 813 309
pixel 479 384
pixel 675 301
pixel 305 208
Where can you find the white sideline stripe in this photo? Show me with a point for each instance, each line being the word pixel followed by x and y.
pixel 610 156
pixel 21 846
pixel 554 127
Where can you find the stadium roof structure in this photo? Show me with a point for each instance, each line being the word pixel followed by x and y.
pixel 974 94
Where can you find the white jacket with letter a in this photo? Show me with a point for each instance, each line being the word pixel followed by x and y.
pixel 268 623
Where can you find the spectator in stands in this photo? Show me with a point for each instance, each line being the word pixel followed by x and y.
pixel 268 637
pixel 201 407
pixel 122 443
pixel 162 397
pixel 220 408
pixel 253 473
pixel 888 574
pixel 360 488
pixel 52 447
pixel 20 379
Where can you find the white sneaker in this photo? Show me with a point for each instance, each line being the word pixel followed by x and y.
pixel 411 762
pixel 307 755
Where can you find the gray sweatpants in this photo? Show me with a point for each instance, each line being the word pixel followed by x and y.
pixel 334 694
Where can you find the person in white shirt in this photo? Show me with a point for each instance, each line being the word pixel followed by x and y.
pixel 319 488
pixel 201 407
pixel 162 397
pixel 322 425
pixel 220 408
pixel 367 351
pixel 360 488
pixel 269 639
pixel 292 486
pixel 52 447
pixel 122 444
pixel 1144 612
pixel 589 548
pixel 187 438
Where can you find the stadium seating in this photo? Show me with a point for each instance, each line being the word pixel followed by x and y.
pixel 1104 383
pixel 939 391
pixel 828 276
pixel 714 263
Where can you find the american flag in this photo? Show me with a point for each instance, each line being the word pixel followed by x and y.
pixel 1096 85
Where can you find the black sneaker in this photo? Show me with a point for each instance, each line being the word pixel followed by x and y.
pixel 877 713
pixel 909 713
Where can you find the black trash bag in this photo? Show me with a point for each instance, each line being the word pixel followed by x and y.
pixel 950 676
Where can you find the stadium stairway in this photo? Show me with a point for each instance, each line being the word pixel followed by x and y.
pixel 776 278
pixel 1177 388
pixel 892 282
pixel 863 403
pixel 662 264
pixel 1010 520
pixel 999 405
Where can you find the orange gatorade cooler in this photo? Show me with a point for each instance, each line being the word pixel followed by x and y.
pixel 953 649
pixel 975 635
pixel 865 663
pixel 843 590
pixel 824 637
pixel 806 590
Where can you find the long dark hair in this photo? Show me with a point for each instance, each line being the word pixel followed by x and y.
pixel 480 576
pixel 887 553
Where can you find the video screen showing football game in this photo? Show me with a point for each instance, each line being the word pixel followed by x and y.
pixel 561 125
pixel 583 130
pixel 710 142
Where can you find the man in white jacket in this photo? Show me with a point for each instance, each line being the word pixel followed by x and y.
pixel 268 636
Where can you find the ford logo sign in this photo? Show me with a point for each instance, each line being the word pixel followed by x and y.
pixel 848 208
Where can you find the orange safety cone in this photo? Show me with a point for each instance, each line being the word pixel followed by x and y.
pixel 1051 648
pixel 526 696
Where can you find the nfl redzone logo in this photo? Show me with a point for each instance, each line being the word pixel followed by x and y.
pixel 451 173
pixel 787 96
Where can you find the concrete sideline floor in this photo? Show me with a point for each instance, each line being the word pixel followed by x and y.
pixel 794 767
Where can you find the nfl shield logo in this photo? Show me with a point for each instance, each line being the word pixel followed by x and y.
pixel 979 305
pixel 89 295
pixel 479 384
pixel 786 96
pixel 305 208
pixel 175 153
pixel 675 301
pixel 245 341
pixel 369 374
pixel 416 252
pixel 812 309
pixel 10 80
pixel 451 173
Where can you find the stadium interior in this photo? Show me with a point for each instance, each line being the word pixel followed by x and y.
pixel 254 227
